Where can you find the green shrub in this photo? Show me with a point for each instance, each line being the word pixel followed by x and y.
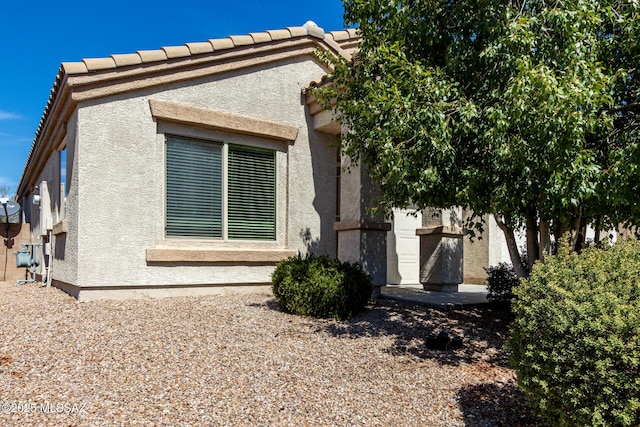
pixel 575 340
pixel 501 281
pixel 320 286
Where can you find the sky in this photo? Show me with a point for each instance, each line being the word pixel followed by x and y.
pixel 37 35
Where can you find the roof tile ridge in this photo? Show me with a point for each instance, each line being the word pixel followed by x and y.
pixel 282 34
pixel 122 60
pixel 75 67
pixel 346 34
pixel 310 28
pixel 241 40
pixel 313 30
pixel 176 51
pixel 152 55
pixel 261 37
pixel 221 44
pixel 197 48
pixel 94 64
pixel 297 31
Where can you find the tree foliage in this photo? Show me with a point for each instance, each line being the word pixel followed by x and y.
pixel 525 109
pixel 575 340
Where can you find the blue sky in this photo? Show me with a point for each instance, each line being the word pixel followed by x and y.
pixel 36 36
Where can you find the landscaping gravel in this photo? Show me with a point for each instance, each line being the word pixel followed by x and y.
pixel 239 360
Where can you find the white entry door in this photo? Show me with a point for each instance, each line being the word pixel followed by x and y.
pixel 403 249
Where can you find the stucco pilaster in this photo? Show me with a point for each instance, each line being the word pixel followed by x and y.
pixel 362 235
pixel 441 249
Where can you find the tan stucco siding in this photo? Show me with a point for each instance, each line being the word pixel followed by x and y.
pixel 479 254
pixel 65 247
pixel 121 174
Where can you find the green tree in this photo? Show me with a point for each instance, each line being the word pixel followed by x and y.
pixel 526 110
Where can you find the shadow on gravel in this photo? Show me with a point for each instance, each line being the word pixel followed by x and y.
pixel 495 405
pixel 483 330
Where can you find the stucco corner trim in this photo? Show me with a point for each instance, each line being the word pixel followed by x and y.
pixel 60 228
pixel 444 230
pixel 208 255
pixel 362 225
pixel 212 119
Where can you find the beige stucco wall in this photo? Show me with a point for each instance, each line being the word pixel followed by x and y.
pixel 119 181
pixel 65 245
pixel 63 251
pixel 483 252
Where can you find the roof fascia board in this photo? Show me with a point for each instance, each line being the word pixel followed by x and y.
pixel 90 87
pixel 50 134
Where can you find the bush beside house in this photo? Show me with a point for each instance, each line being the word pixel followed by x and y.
pixel 501 282
pixel 576 337
pixel 321 286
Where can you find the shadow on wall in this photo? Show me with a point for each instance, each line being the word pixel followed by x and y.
pixel 313 245
pixel 60 246
pixel 323 149
pixel 393 268
pixel 373 256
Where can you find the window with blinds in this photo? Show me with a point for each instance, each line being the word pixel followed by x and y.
pixel 251 193
pixel 195 193
pixel 194 188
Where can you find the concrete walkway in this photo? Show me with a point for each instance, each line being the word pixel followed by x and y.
pixel 467 296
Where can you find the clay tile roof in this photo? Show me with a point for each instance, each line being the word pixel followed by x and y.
pixel 260 37
pixel 310 28
pixel 152 55
pixel 127 59
pixel 340 35
pixel 241 40
pixel 297 31
pixel 344 40
pixel 176 51
pixel 313 29
pixel 221 44
pixel 73 68
pixel 279 34
pixel 201 47
pixel 94 64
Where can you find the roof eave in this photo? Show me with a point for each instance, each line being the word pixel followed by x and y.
pixel 99 77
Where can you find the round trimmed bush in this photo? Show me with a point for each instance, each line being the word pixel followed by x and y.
pixel 320 286
pixel 575 340
pixel 501 281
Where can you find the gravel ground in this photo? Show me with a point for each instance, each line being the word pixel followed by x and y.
pixel 238 360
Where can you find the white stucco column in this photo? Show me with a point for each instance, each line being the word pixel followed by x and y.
pixel 362 237
pixel 441 249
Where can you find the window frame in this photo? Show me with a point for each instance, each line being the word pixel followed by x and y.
pixel 225 141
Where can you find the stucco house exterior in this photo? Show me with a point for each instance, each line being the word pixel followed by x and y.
pixel 194 169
